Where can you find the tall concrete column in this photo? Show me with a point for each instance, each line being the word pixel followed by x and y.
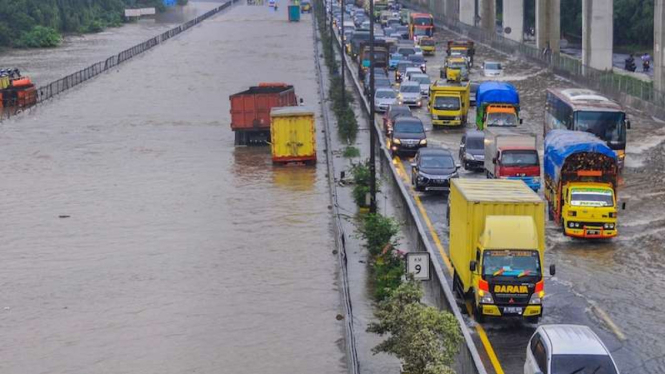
pixel 597 33
pixel 488 15
pixel 513 19
pixel 452 9
pixel 548 24
pixel 467 11
pixel 658 46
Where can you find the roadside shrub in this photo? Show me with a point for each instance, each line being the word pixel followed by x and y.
pixel 39 37
pixel 388 269
pixel 379 233
pixel 351 152
pixel 425 339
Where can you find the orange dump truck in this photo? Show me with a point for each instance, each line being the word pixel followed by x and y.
pixel 16 91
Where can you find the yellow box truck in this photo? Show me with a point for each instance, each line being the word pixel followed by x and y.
pixel 449 103
pixel 293 135
pixel 497 242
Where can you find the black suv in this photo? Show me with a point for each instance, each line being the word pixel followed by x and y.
pixel 408 136
pixel 472 150
pixel 432 169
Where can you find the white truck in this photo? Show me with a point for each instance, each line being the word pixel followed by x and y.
pixel 512 156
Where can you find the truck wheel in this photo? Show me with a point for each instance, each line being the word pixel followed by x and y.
pixel 550 214
pixel 480 318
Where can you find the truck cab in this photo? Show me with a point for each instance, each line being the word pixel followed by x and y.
pixel 589 210
pixel 497 105
pixel 512 156
pixel 451 64
pixel 501 116
pixel 449 103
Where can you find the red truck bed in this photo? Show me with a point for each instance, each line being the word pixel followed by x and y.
pixel 250 109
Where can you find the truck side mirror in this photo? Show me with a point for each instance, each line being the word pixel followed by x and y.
pixel 623 206
pixel 521 121
pixel 494 160
pixel 552 270
pixel 628 125
pixel 414 165
pixel 472 265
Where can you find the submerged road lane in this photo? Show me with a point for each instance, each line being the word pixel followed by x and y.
pixel 137 239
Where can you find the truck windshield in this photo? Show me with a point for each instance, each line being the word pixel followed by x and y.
pixel 608 126
pixel 591 197
pixel 501 119
pixel 419 31
pixel 519 158
pixel 427 43
pixel 582 364
pixel 511 263
pixel 446 103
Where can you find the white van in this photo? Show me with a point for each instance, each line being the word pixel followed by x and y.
pixel 566 349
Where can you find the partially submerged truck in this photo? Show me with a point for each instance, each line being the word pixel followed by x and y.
pixel 497 104
pixel 497 245
pixel 455 68
pixel 449 103
pixel 581 184
pixel 250 111
pixel 512 156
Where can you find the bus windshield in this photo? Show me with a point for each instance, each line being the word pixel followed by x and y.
pixel 422 21
pixel 608 126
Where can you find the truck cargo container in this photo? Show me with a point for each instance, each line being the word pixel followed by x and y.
pixel 512 156
pixel 293 135
pixel 250 111
pixel 580 184
pixel 497 245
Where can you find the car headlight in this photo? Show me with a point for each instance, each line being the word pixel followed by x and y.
pixel 485 297
pixel 469 156
pixel 423 142
pixel 397 141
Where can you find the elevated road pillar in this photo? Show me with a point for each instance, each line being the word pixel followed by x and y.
pixel 658 46
pixel 548 24
pixel 488 15
pixel 513 20
pixel 597 33
pixel 467 11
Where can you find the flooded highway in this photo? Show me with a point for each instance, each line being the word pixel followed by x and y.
pixel 137 239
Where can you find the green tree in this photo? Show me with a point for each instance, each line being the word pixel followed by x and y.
pixel 424 338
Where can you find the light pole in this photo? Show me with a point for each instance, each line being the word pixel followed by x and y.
pixel 372 134
pixel 341 52
pixel 332 35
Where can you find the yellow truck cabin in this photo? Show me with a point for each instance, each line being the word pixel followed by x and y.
pixel 449 103
pixel 497 245
pixel 293 135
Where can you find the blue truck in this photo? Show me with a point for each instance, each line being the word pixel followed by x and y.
pixel 497 104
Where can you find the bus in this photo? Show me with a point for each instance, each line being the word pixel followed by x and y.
pixel 585 110
pixel 421 24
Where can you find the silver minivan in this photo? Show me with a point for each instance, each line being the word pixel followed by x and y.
pixel 567 349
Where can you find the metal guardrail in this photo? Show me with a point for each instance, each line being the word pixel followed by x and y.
pixel 607 82
pixel 468 360
pixel 340 235
pixel 63 84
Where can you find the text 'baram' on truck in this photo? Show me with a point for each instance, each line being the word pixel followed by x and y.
pixel 497 245
pixel 497 104
pixel 512 156
pixel 580 184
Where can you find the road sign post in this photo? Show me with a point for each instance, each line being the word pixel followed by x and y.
pixel 417 264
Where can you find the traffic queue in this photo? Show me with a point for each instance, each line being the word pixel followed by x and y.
pixel 496 225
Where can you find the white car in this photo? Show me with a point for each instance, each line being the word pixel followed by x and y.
pixel 409 94
pixel 412 70
pixel 384 98
pixel 492 69
pixel 419 51
pixel 567 349
pixel 424 82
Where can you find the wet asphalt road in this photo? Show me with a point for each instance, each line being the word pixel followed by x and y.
pixel 137 239
pixel 598 283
